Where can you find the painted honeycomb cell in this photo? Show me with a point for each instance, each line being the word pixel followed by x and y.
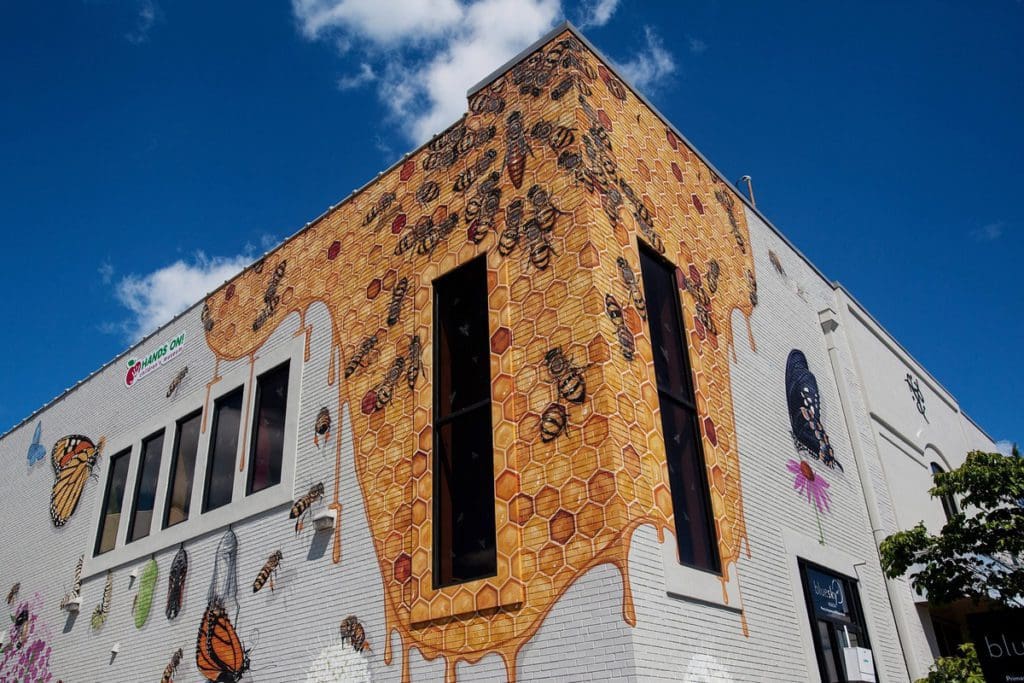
pixel 553 175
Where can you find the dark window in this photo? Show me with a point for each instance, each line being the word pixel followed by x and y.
pixel 113 497
pixel 948 501
pixel 464 534
pixel 220 465
pixel 145 487
pixel 837 620
pixel 183 466
pixel 267 446
pixel 695 531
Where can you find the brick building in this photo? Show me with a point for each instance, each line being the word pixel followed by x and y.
pixel 552 399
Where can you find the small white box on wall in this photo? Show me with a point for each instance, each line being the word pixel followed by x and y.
pixel 860 664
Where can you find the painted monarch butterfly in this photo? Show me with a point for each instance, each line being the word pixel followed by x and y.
pixel 220 657
pixel 74 458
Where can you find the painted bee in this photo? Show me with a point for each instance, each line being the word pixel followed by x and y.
pixel 268 572
pixel 302 505
pixel 353 632
pixel 776 263
pixel 206 317
pixel 752 285
pixel 20 629
pixel 13 593
pixel 412 373
pixel 397 298
pixel 172 667
pixel 176 382
pixel 553 422
pixel 509 238
pixel 626 342
pixel 568 377
pixel 322 426
pixel 516 148
pixel 629 279
pixel 714 270
pixel 540 254
pixel 384 391
pixel 361 358
pixel 487 102
pixel 428 192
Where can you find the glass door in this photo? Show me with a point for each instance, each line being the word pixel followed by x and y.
pixel 837 620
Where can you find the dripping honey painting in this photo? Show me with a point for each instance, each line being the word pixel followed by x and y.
pixel 554 182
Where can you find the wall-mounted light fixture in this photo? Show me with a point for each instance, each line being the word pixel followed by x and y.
pixel 325 519
pixel 115 648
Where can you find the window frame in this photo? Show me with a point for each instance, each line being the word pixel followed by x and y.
pixel 850 586
pixel 688 406
pixel 242 506
pixel 949 504
pixel 482 406
pixel 255 427
pixel 140 470
pixel 100 526
pixel 173 466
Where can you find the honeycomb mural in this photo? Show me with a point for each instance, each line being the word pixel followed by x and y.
pixel 555 175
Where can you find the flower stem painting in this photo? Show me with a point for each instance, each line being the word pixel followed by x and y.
pixel 806 481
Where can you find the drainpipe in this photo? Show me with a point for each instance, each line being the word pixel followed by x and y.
pixel 830 326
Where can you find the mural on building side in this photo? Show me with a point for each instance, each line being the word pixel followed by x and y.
pixel 551 126
pixel 807 482
pixel 74 458
pixel 176 583
pixel 25 655
pixel 172 666
pixel 268 572
pixel 916 395
pixel 36 450
pixel 804 401
pixel 143 601
pixel 300 508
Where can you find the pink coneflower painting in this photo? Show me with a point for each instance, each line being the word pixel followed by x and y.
pixel 807 481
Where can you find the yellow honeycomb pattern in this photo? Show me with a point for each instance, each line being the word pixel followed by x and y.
pixel 535 178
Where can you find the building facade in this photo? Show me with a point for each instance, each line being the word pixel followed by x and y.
pixel 546 399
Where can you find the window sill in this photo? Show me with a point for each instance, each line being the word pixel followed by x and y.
pixel 189 530
pixel 697 585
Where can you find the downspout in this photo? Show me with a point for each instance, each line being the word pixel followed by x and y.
pixel 830 326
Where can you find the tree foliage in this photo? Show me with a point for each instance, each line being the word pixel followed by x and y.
pixel 964 668
pixel 979 550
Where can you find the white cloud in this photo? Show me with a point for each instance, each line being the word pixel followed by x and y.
pixel 149 12
pixel 365 75
pixel 156 297
pixel 380 21
pixel 697 46
pixel 649 67
pixel 597 12
pixel 106 271
pixel 425 54
pixel 990 232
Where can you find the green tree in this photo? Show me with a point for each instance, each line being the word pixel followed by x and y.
pixel 962 669
pixel 979 550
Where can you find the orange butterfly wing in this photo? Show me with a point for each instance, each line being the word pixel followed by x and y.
pixel 73 459
pixel 219 653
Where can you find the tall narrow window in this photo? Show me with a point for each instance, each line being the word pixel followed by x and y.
pixel 145 487
pixel 948 501
pixel 113 497
pixel 464 534
pixel 268 431
pixel 220 464
pixel 183 466
pixel 695 531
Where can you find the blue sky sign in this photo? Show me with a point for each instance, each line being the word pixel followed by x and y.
pixel 137 369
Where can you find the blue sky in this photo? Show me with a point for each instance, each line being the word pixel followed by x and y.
pixel 149 149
